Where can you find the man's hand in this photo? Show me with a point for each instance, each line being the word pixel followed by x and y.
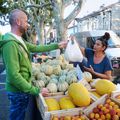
pixel 62 44
pixel 45 92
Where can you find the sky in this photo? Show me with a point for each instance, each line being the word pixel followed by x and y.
pixel 88 7
pixel 94 5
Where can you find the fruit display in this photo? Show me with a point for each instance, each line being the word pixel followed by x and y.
pixel 56 74
pixel 87 76
pixel 117 97
pixel 86 84
pixel 95 94
pixel 104 86
pixel 52 104
pixel 52 87
pixel 103 109
pixel 62 103
pixel 66 103
pixel 69 117
pixel 79 94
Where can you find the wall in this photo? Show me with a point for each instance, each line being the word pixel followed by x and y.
pixel 107 18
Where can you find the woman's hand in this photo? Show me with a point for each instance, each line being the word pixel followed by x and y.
pixel 106 75
pixel 90 69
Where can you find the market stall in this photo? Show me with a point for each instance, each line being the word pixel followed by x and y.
pixel 70 98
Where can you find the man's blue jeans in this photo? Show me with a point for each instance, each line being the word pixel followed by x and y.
pixel 18 105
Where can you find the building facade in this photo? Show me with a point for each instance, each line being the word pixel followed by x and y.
pixel 107 18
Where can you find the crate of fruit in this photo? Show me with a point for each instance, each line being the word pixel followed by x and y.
pixel 69 115
pixel 47 106
pixel 46 111
pixel 94 95
pixel 85 83
pixel 104 109
pixel 116 96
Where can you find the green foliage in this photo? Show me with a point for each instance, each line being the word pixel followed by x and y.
pixel 3 9
pixel 38 11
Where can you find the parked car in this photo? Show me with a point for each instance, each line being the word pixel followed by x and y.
pixel 88 38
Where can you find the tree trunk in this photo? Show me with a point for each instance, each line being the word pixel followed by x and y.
pixel 38 31
pixel 61 23
pixel 41 32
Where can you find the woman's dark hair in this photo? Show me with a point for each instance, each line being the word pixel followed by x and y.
pixel 104 39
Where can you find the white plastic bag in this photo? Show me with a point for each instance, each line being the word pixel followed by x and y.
pixel 73 52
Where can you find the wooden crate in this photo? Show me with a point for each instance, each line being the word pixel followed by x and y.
pixel 101 100
pixel 115 93
pixel 43 108
pixel 113 96
pixel 93 96
pixel 71 112
pixel 90 108
pixel 85 83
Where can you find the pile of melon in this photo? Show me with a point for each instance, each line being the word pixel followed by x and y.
pixel 56 74
pixel 101 86
pixel 104 86
pixel 78 96
pixel 63 103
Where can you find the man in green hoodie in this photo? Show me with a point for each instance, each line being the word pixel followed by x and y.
pixel 16 57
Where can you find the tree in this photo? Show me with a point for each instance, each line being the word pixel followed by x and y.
pixel 3 12
pixel 62 24
pixel 41 13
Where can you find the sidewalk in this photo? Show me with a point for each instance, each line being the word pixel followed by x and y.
pixel 4 104
pixel 32 111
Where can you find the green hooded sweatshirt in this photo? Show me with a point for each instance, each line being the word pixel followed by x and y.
pixel 18 64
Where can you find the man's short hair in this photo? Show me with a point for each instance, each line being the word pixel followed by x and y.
pixel 13 15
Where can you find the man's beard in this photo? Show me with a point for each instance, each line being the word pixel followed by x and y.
pixel 26 35
pixel 22 29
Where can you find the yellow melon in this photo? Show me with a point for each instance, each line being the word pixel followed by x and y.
pixel 79 94
pixel 95 94
pixel 87 76
pixel 66 103
pixel 52 104
pixel 104 86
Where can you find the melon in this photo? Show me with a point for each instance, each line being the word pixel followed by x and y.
pixel 66 103
pixel 104 86
pixel 87 76
pixel 52 104
pixel 79 94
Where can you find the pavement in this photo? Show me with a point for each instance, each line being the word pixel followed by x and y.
pixel 32 111
pixel 4 103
